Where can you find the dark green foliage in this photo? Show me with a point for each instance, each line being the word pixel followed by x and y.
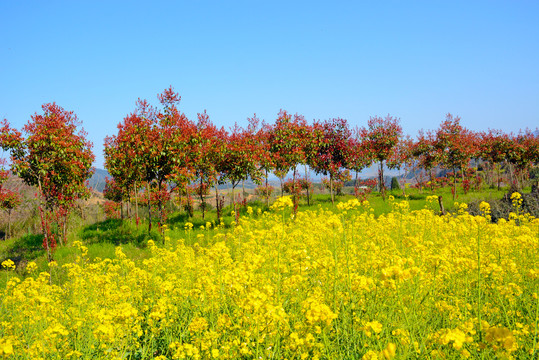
pixel 395 183
pixel 25 248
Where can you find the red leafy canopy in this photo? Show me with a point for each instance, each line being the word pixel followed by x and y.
pixel 8 198
pixel 205 151
pixel 242 155
pixel 455 144
pixel 53 156
pixel 331 146
pixel 494 146
pixel 381 137
pixel 287 141
pixel 151 145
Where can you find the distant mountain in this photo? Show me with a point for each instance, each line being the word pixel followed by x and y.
pixel 97 181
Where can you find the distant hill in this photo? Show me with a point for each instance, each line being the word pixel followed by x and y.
pixel 97 181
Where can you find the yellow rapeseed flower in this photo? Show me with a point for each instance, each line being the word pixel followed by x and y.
pixel 282 202
pixel 8 264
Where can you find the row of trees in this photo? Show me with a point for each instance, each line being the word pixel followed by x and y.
pixel 160 148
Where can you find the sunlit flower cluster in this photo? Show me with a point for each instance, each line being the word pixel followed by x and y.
pixel 8 264
pixel 516 199
pixel 282 202
pixel 349 205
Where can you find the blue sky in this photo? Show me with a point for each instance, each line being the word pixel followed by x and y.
pixel 350 59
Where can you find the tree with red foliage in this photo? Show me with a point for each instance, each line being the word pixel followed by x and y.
pixel 206 151
pixel 120 162
pixel 523 153
pixel 332 143
pixel 241 157
pixel 287 144
pixel 381 137
pixel 9 199
pixel 406 159
pixel 264 157
pixel 155 197
pixel 111 209
pixel 455 146
pixel 155 142
pixel 173 134
pixel 125 156
pixel 494 147
pixel 358 157
pixel 337 184
pixel 426 154
pixel 114 192
pixel 56 158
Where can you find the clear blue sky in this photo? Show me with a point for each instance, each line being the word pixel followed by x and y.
pixel 414 60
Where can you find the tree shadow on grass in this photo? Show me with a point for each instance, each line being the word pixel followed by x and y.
pixel 178 219
pixel 400 196
pixel 25 248
pixel 117 232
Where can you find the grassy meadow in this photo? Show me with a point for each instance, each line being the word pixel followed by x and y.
pixel 351 280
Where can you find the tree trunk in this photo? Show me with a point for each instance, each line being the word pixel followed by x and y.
pixel 160 203
pixel 217 207
pixel 43 222
pixel 242 190
pixel 511 174
pixel 499 170
pixel 179 198
pixel 267 193
pixel 356 184
pixel 442 209
pixel 201 194
pixel 228 191
pixel 454 183
pixel 188 201
pixel 404 182
pixel 136 203
pixel 8 235
pixel 382 184
pixel 294 190
pixel 307 183
pixel 236 215
pixel 149 208
pixel 233 198
pixel 331 188
pixel 64 230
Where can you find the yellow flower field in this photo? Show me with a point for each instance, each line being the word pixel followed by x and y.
pixel 317 285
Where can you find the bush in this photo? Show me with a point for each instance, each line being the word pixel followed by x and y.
pixel 395 183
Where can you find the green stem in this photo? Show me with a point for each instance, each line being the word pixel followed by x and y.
pixel 479 283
